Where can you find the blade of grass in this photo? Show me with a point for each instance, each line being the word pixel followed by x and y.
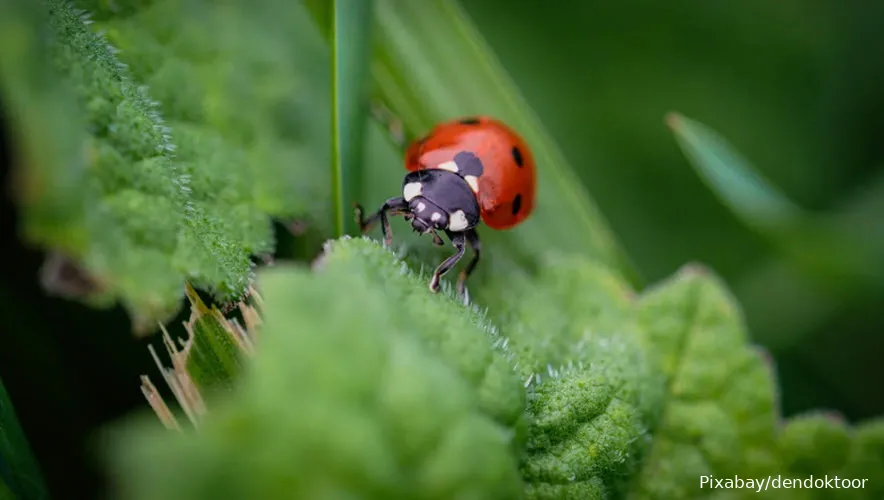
pixel 431 64
pixel 831 252
pixel 781 323
pixel 351 53
pixel 19 473
pixel 831 259
pixel 750 196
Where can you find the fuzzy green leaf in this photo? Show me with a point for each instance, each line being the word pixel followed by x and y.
pixel 592 391
pixel 46 130
pixel 364 385
pixel 462 337
pixel 719 414
pixel 158 203
pixel 822 447
pixel 250 112
pixel 20 477
pixel 143 221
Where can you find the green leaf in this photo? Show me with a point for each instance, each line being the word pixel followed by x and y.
pixel 351 51
pixel 20 477
pixel 405 399
pixel 366 384
pixel 145 221
pixel 824 447
pixel 719 415
pixel 431 64
pixel 251 111
pixel 46 131
pixel 461 337
pixel 720 418
pixel 154 206
pixel 592 391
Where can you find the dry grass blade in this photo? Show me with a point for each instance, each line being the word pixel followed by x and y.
pixel 208 359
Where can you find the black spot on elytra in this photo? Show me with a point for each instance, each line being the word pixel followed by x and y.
pixel 517 204
pixel 469 121
pixel 468 164
pixel 517 156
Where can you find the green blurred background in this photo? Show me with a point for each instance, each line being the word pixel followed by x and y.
pixel 795 86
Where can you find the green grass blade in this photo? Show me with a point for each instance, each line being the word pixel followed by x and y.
pixel 20 477
pixel 825 250
pixel 779 323
pixel 351 53
pixel 431 64
pixel 751 197
pixel 827 261
pixel 5 492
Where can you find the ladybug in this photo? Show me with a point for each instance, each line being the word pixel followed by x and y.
pixel 462 173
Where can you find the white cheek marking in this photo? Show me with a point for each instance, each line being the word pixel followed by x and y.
pixel 411 190
pixel 458 221
pixel 449 165
pixel 436 216
pixel 473 182
pixel 421 206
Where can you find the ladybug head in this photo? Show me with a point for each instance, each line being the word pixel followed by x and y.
pixel 426 216
pixel 439 200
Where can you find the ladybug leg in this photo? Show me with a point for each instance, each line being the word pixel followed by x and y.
pixel 472 238
pixel 395 205
pixel 459 242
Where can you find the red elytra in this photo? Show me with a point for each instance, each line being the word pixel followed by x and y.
pixel 508 182
pixel 462 172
